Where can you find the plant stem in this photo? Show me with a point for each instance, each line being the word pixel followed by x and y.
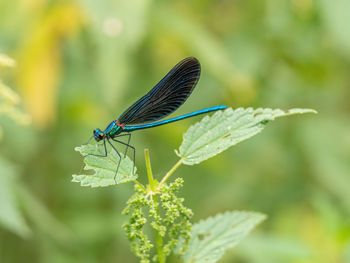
pixel 172 170
pixel 149 170
pixel 139 184
pixel 159 238
pixel 152 184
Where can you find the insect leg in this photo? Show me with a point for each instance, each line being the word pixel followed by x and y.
pixel 120 158
pixel 128 145
pixel 88 141
pixel 99 155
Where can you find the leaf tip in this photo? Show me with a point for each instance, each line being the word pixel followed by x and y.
pixel 77 149
pixel 313 111
pixel 300 111
pixel 177 153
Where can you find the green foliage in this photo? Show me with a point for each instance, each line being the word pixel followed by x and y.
pixel 10 214
pixel 213 236
pixel 15 199
pixel 167 215
pixel 104 167
pixel 9 100
pixel 202 141
pixel 140 243
pixel 174 217
pixel 79 64
pixel 41 216
pixel 224 129
pixel 17 203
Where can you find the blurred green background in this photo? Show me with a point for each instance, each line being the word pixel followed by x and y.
pixel 79 64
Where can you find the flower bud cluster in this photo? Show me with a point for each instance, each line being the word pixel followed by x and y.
pixel 140 243
pixel 166 215
pixel 176 217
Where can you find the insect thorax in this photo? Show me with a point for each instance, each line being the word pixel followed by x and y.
pixel 115 130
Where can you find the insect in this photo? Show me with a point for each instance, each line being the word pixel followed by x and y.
pixel 147 112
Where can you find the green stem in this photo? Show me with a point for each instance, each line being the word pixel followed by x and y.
pixel 149 171
pixel 159 238
pixel 139 184
pixel 172 170
pixel 152 184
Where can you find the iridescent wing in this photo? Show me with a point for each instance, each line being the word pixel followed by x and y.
pixel 167 96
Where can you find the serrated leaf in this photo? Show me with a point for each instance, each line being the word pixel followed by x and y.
pixel 104 167
pixel 214 134
pixel 213 236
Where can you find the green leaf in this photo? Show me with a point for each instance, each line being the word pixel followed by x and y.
pixel 10 215
pixel 104 167
pixel 214 134
pixel 42 216
pixel 213 236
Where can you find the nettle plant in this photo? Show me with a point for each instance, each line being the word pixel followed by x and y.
pixel 158 204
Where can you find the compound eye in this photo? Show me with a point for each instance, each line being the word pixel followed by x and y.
pixel 94 132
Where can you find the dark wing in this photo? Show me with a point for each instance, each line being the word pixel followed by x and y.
pixel 167 96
